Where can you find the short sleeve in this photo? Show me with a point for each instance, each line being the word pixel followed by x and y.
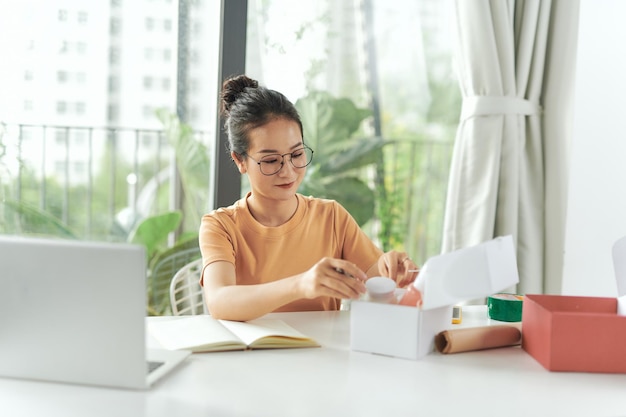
pixel 356 246
pixel 215 240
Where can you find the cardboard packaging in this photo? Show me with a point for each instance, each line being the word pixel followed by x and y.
pixel 579 334
pixel 464 274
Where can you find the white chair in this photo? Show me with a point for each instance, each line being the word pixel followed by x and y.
pixel 185 291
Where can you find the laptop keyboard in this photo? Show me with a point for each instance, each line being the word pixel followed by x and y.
pixel 152 365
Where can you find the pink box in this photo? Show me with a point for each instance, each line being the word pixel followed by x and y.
pixel 579 334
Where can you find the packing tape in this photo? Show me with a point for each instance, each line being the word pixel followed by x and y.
pixel 505 307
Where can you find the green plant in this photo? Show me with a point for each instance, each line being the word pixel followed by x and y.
pixel 330 128
pixel 162 268
pixel 5 180
pixel 193 164
pixel 29 219
pixel 153 231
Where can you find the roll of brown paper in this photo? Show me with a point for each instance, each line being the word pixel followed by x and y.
pixel 477 338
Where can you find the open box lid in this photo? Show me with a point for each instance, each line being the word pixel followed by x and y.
pixel 469 273
pixel 619 264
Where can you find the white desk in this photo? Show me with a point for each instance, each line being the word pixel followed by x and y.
pixel 334 381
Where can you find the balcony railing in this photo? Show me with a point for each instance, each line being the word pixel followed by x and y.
pixel 96 182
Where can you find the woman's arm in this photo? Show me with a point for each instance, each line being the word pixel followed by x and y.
pixel 229 301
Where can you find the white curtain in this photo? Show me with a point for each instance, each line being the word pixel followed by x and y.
pixel 505 167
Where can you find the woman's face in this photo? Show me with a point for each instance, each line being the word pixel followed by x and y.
pixel 278 137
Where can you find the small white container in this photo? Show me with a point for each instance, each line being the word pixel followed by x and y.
pixel 381 290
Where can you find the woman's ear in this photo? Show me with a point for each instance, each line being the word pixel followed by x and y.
pixel 238 160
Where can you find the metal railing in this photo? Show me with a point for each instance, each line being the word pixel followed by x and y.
pixel 95 180
pixel 98 181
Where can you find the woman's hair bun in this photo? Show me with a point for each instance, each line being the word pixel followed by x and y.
pixel 233 88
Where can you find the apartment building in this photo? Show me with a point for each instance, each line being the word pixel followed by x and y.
pixel 78 75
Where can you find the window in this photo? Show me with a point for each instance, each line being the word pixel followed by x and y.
pixel 79 168
pixel 80 107
pixel 115 26
pixel 197 28
pixel 294 47
pixel 146 139
pixel 61 107
pixel 113 112
pixel 60 137
pixel 114 55
pixel 194 56
pixel 60 168
pixel 332 47
pixel 147 111
pixel 26 135
pixel 82 17
pixel 80 138
pixel 113 83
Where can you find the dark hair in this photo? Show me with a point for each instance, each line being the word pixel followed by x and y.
pixel 246 106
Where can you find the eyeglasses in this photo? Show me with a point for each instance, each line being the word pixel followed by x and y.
pixel 273 163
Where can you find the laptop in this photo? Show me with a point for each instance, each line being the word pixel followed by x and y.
pixel 74 312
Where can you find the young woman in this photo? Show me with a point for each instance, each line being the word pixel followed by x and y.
pixel 275 249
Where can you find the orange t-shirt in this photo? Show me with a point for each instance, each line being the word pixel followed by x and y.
pixel 319 228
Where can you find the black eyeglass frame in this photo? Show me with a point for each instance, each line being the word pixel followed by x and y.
pixel 282 162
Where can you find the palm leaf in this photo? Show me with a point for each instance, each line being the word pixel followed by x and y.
pixel 32 219
pixel 152 232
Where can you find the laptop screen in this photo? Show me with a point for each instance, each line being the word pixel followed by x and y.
pixel 72 311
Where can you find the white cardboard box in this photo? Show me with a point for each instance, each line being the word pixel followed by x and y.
pixel 464 274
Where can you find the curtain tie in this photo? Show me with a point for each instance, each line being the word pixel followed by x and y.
pixel 491 105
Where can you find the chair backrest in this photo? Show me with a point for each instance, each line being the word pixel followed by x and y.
pixel 185 291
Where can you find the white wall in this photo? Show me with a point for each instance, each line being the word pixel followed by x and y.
pixel 597 192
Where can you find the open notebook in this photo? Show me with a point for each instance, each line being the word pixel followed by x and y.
pixel 203 333
pixel 73 311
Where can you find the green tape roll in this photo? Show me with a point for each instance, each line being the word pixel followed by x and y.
pixel 505 307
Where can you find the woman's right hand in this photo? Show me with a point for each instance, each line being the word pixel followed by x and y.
pixel 334 278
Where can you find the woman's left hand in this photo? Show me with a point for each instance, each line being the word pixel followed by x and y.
pixel 399 267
